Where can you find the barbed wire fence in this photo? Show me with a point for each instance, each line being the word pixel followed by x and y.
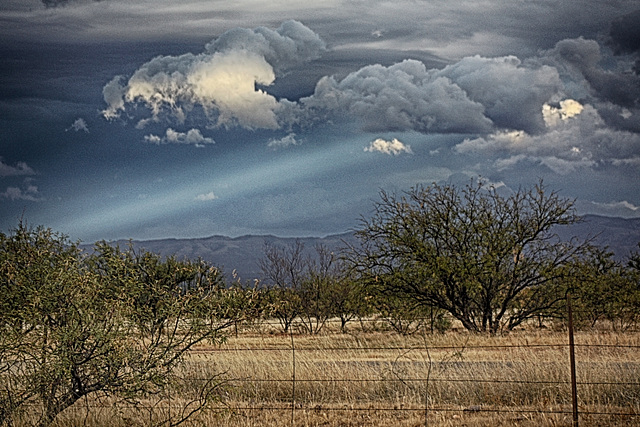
pixel 295 406
pixel 425 351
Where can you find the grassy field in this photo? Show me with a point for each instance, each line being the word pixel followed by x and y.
pixel 379 378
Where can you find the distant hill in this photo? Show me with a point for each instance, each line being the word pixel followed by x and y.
pixel 620 235
pixel 243 254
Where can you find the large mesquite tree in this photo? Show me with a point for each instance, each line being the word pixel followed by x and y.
pixel 490 261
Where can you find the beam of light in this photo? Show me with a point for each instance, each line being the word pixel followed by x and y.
pixel 180 200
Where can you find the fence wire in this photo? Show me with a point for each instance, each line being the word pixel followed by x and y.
pixel 293 353
pixel 632 413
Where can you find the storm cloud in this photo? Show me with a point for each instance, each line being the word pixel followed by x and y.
pixel 58 3
pixel 229 84
pixel 313 107
pixel 402 97
pixel 580 61
pixel 625 34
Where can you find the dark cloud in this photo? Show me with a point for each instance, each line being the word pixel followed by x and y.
pixel 620 118
pixel 230 81
pixel 619 88
pixel 625 36
pixel 286 47
pixel 54 3
pixel 576 138
pixel 512 93
pixel 580 53
pixel 57 3
pixel 625 33
pixel 582 59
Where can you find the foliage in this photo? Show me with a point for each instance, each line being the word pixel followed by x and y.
pixel 403 318
pixel 350 299
pixel 321 285
pixel 309 287
pixel 490 261
pixel 602 289
pixel 115 324
pixel 283 269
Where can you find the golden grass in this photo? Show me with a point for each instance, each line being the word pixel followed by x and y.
pixel 379 378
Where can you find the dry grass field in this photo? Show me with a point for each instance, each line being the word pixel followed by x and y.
pixel 379 378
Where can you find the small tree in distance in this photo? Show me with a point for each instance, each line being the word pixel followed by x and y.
pixel 322 281
pixel 284 270
pixel 305 286
pixel 490 261
pixel 604 290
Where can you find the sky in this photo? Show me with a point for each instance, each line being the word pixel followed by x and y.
pixel 149 119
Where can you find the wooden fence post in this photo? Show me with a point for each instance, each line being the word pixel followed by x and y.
pixel 572 360
pixel 293 379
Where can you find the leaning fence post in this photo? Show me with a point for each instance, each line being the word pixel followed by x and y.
pixel 572 360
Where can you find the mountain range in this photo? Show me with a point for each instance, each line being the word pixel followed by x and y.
pixel 241 255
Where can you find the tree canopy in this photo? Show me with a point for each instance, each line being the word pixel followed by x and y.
pixel 115 324
pixel 491 261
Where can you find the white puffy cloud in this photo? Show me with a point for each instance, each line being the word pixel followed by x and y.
pixel 206 197
pixel 154 139
pixel 568 108
pixel 404 96
pixel 221 81
pixel 286 141
pixel 192 137
pixel 473 95
pixel 576 137
pixel 225 83
pixel 21 168
pixel 392 147
pixel 79 125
